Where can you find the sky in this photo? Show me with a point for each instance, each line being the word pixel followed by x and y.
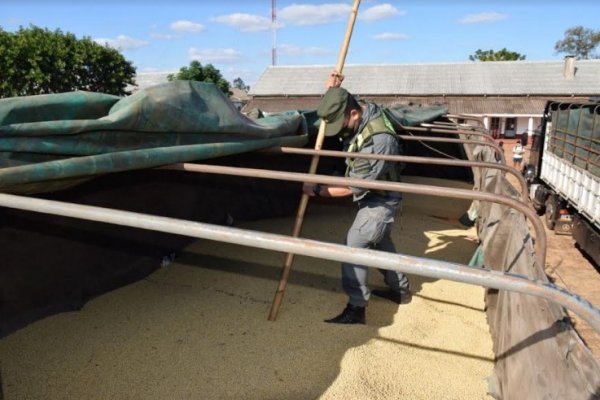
pixel 237 36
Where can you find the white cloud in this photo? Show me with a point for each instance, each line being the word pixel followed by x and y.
pixel 162 36
pixel 214 55
pixel 292 50
pixel 245 22
pixel 308 14
pixel 187 26
pixel 390 36
pixel 122 42
pixel 380 11
pixel 482 17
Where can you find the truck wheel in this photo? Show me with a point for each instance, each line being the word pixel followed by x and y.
pixel 550 214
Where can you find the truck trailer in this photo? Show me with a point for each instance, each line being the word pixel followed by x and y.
pixel 563 172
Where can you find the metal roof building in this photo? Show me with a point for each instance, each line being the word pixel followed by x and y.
pixel 509 95
pixel 501 78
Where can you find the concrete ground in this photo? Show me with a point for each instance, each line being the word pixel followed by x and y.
pixel 198 327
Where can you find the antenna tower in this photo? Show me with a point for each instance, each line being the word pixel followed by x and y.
pixel 274 28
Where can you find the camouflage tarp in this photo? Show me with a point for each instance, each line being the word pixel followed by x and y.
pixel 51 141
pixel 414 115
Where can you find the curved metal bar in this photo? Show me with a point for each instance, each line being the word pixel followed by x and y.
pixel 540 242
pixel 480 125
pixel 408 159
pixel 429 128
pixel 467 117
pixel 452 125
pixel 442 123
pixel 497 149
pixel 482 130
pixel 312 248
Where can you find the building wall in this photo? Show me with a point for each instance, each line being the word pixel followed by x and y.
pixel 498 129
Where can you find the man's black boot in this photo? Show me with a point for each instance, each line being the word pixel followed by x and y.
pixel 350 315
pixel 403 297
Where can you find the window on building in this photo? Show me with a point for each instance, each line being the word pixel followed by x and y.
pixel 495 127
pixel 510 128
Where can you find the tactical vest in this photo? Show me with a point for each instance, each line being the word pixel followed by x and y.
pixel 376 126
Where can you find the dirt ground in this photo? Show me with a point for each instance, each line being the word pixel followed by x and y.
pixel 198 327
pixel 568 267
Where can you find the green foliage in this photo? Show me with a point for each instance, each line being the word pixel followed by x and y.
pixel 39 61
pixel 196 72
pixel 579 42
pixel 500 55
pixel 238 83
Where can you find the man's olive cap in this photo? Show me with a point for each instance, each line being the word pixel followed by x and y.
pixel 332 110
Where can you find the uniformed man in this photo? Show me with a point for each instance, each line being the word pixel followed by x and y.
pixel 364 128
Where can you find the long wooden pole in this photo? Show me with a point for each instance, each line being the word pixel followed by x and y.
pixel 285 273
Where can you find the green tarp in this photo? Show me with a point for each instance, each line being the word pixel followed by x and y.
pixel 51 141
pixel 414 115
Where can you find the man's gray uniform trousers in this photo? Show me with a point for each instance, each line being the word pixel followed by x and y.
pixel 371 229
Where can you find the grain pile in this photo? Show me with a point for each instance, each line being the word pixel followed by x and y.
pixel 197 328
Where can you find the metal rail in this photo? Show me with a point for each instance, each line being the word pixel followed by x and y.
pixel 457 131
pixel 312 248
pixel 408 159
pixel 466 117
pixel 540 242
pixel 451 124
pixel 458 126
pixel 479 127
pixel 493 145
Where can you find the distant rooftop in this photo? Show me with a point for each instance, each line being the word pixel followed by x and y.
pixel 519 78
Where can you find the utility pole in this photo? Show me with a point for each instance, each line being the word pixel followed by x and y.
pixel 274 29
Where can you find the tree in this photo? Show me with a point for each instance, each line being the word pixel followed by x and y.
pixel 39 61
pixel 238 83
pixel 196 72
pixel 500 55
pixel 579 42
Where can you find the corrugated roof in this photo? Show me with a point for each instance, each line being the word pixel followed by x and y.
pixel 472 78
pixel 238 94
pixel 456 105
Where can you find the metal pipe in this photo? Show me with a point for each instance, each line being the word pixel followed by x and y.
pixel 444 123
pixel 479 120
pixel 312 248
pixel 493 145
pixel 449 125
pixel 407 159
pixel 427 128
pixel 540 242
pixel 458 126
pixel 466 117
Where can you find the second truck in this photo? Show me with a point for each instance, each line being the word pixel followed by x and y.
pixel 564 172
